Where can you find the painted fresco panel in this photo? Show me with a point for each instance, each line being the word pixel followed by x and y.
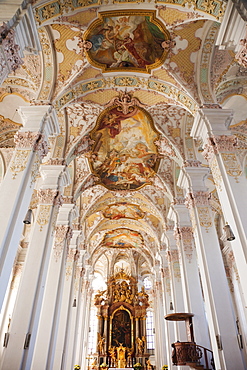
pixel 122 238
pixel 127 40
pixel 123 210
pixel 124 156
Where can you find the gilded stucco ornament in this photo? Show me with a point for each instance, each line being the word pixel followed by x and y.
pixel 19 162
pixel 43 215
pixel 241 56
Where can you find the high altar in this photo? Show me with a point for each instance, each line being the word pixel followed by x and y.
pixel 122 322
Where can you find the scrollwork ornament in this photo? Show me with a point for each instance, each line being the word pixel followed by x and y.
pixel 216 173
pixel 59 244
pixel 47 196
pixel 204 217
pixel 232 165
pixel 201 198
pixel 44 215
pixel 41 146
pixel 25 140
pixel 20 162
pixel 35 170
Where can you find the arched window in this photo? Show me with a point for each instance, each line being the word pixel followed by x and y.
pixel 150 330
pixel 93 326
pixel 147 283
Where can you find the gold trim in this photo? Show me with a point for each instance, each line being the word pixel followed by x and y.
pixel 100 20
pixel 13 93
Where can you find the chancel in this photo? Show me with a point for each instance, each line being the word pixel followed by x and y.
pixel 123 185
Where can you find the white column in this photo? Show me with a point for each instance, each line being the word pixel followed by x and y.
pixel 33 278
pixel 75 291
pixel 67 300
pixel 160 353
pixel 222 323
pixel 193 298
pixel 223 153
pixel 39 122
pixel 167 299
pixel 43 352
pixel 176 284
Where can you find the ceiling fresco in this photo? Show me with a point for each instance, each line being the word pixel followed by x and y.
pixel 123 210
pixel 132 40
pixel 124 155
pixel 122 238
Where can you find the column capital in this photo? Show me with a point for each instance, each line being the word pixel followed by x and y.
pixel 193 178
pixel 41 118
pixel 218 144
pixel 52 176
pixel 209 122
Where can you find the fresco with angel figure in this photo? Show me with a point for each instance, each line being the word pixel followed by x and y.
pixel 130 40
pixel 122 238
pixel 124 155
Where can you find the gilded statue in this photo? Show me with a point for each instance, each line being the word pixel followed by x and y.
pixel 140 348
pixel 149 365
pixel 121 356
pixel 112 352
pixel 101 343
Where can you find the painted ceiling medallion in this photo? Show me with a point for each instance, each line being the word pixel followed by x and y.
pixel 124 156
pixel 123 210
pixel 126 40
pixel 122 238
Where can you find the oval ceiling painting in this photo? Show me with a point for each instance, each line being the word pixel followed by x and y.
pixel 122 238
pixel 131 40
pixel 124 156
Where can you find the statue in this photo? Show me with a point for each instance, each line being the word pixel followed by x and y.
pixel 139 346
pixel 129 356
pixel 121 356
pixel 101 343
pixel 149 365
pixel 94 365
pixel 112 355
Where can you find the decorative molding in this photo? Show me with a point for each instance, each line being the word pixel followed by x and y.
pixel 219 144
pixel 47 196
pixel 164 88
pixel 216 173
pixel 241 56
pixel 125 102
pixel 197 198
pixel 192 163
pixel 19 162
pixel 204 217
pixel 62 234
pixel 9 57
pixel 58 8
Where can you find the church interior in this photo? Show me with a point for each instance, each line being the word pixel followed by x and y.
pixel 123 184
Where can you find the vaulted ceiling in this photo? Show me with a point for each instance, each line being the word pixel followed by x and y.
pixel 126 79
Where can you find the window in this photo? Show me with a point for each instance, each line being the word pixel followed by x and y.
pixel 150 330
pixel 147 283
pixel 93 326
